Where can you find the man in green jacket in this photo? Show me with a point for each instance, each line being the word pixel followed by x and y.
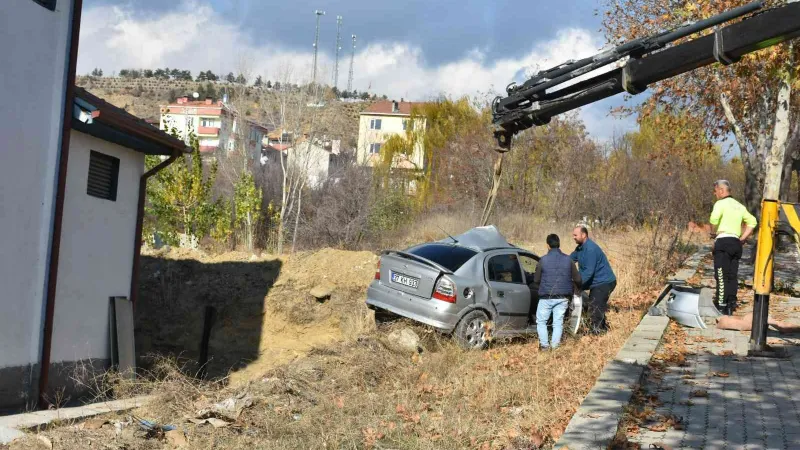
pixel 726 218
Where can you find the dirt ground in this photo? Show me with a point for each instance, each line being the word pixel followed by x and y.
pixel 319 375
pixel 264 311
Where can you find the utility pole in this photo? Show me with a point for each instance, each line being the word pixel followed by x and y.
pixel 338 47
pixel 352 58
pixel 316 42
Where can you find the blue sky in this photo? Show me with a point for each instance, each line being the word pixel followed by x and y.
pixel 414 49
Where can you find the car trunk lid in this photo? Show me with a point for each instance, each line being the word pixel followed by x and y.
pixel 410 273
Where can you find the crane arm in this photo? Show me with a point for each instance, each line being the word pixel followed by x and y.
pixel 546 95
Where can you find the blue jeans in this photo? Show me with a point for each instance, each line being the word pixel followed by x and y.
pixel 558 307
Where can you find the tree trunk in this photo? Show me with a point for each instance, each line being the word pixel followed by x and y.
pixel 752 169
pixel 776 157
pixel 297 215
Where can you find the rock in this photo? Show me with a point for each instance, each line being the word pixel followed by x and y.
pixel 45 441
pixel 176 438
pixel 405 340
pixel 322 291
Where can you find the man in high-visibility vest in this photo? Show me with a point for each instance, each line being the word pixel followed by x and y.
pixel 727 218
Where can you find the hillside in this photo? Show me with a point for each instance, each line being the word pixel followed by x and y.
pixel 143 96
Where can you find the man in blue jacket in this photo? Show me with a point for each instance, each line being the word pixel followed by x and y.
pixel 596 276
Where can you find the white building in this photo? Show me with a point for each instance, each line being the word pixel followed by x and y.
pixel 215 125
pixel 313 160
pixel 70 185
pixel 378 123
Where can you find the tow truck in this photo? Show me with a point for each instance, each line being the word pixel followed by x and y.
pixel 632 67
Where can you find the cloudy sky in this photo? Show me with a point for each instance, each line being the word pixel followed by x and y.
pixel 414 49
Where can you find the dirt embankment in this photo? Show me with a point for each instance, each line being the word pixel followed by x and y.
pixel 264 310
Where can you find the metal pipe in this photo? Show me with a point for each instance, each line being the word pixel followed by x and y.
pixel 137 238
pixel 762 280
pixel 58 212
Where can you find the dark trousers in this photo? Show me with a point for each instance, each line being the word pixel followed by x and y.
pixel 598 305
pixel 727 253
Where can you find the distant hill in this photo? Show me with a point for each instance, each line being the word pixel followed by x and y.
pixel 143 96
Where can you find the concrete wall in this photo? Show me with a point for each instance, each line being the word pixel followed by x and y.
pixel 390 125
pixel 96 252
pixel 35 51
pixel 311 159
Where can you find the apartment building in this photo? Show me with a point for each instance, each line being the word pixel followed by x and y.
pixel 378 123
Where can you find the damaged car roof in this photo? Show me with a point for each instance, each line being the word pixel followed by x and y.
pixel 480 239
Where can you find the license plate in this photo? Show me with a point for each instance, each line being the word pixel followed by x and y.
pixel 405 280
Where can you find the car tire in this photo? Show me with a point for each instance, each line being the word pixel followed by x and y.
pixel 383 317
pixel 470 333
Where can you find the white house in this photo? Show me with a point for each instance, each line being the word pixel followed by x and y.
pixel 215 125
pixel 378 123
pixel 311 159
pixel 71 190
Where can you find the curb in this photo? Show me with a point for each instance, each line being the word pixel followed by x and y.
pixel 11 426
pixel 595 423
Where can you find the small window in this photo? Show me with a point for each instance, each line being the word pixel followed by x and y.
pixel 375 124
pixel 208 123
pixel 374 148
pixel 529 266
pixel 451 257
pixel 405 124
pixel 504 269
pixel 103 176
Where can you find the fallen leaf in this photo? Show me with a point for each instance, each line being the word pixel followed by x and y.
pixel 726 353
pixel 339 402
pixel 659 427
pixel 176 438
pixel 699 393
pixel 720 374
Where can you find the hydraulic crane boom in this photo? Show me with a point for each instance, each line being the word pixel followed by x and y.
pixel 546 95
pixel 557 90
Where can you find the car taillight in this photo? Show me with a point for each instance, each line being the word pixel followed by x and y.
pixel 445 291
pixel 378 271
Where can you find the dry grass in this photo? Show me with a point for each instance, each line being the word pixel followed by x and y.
pixel 363 393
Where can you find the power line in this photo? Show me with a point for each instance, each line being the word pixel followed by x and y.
pixel 338 47
pixel 316 42
pixel 352 58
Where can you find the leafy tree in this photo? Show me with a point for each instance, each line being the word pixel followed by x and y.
pixel 175 74
pixel 240 79
pixel 751 99
pixel 210 91
pixel 269 84
pixel 179 197
pixel 259 82
pixel 148 73
pixel 124 73
pixel 230 78
pixel 247 205
pixel 97 72
pixel 160 74
pixel 211 76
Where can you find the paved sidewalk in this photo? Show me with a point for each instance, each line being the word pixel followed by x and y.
pixel 702 391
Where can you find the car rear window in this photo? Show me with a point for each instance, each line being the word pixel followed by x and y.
pixel 450 257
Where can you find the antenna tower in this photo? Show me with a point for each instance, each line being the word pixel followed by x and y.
pixel 316 41
pixel 352 57
pixel 338 47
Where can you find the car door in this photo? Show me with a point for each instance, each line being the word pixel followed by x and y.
pixel 529 261
pixel 507 290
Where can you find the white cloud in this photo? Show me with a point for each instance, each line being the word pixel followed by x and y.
pixel 194 37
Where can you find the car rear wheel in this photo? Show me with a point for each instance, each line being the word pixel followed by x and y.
pixel 471 331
